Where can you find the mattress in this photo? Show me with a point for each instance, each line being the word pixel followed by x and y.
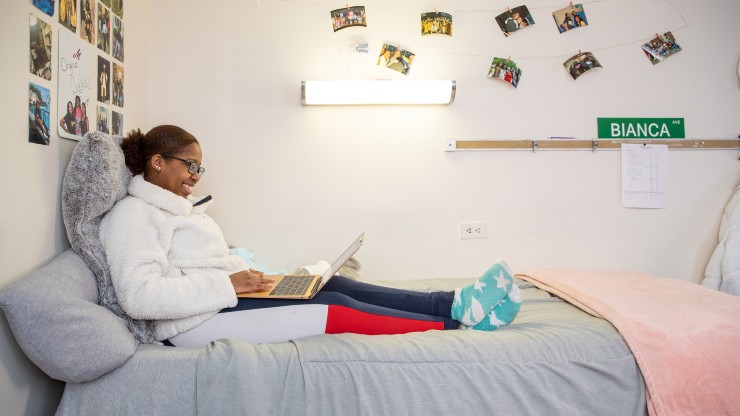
pixel 552 359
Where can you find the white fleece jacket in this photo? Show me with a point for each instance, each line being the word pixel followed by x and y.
pixel 168 260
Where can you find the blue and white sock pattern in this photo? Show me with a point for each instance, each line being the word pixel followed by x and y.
pixel 503 313
pixel 475 303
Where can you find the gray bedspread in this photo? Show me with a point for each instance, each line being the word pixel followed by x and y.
pixel 552 360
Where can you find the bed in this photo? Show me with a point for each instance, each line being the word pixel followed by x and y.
pixel 585 342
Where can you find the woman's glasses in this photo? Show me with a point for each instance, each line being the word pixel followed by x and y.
pixel 193 167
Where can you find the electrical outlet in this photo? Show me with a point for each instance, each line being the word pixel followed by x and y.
pixel 472 230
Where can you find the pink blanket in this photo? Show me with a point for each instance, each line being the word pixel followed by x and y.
pixel 685 338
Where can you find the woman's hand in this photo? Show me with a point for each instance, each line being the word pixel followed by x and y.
pixel 250 281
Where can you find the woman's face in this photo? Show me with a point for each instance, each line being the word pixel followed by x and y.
pixel 173 174
pixel 70 108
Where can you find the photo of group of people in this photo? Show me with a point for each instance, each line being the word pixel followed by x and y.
pixel 580 63
pixel 348 17
pixel 40 47
pixel 505 70
pixel 395 58
pixel 38 114
pixel 436 23
pixel 661 47
pixel 512 20
pixel 102 120
pixel 570 17
pixel 75 121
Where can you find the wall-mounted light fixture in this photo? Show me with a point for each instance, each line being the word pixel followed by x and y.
pixel 378 92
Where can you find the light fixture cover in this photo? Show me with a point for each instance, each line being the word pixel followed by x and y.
pixel 378 92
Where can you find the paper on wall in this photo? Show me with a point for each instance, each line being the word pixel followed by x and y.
pixel 644 175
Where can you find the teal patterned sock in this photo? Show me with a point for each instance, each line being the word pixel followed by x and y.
pixel 503 313
pixel 474 303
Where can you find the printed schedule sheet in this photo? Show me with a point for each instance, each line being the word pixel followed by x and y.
pixel 644 175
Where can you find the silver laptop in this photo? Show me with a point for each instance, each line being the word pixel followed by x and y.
pixel 293 286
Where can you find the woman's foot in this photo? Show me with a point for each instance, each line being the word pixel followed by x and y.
pixel 474 303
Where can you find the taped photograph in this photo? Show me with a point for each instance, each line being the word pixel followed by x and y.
pixel 38 114
pixel 40 47
pixel 87 21
pixel 68 14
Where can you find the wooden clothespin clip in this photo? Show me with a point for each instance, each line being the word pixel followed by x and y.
pixel 571 5
pixel 347 4
pixel 579 52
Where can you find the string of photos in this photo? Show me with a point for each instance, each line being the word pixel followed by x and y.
pixel 400 58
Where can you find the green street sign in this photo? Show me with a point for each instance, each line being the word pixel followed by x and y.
pixel 641 128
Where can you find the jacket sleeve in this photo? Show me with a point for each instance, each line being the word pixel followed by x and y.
pixel 136 239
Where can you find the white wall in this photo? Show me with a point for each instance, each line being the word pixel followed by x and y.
pixel 296 183
pixel 31 226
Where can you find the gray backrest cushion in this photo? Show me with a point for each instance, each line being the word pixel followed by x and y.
pixel 97 178
pixel 54 315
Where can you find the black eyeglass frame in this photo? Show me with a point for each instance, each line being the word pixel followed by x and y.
pixel 193 167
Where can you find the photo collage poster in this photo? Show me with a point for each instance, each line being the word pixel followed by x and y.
pixel 87 68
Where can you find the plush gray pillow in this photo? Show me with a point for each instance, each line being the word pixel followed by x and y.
pixel 56 320
pixel 97 178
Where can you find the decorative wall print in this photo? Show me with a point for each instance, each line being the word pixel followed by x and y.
pixel 87 21
pixel 570 17
pixel 505 70
pixel 512 20
pixel 38 114
pixel 661 47
pixel 75 87
pixel 396 58
pixel 117 85
pixel 39 47
pixel 348 17
pixel 46 6
pixel 580 63
pixel 68 14
pixel 101 120
pixel 117 38
pixel 103 28
pixel 117 128
pixel 117 7
pixel 436 23
pixel 103 80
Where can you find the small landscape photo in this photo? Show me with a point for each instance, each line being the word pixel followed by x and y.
pixel 505 70
pixel 581 63
pixel 396 58
pixel 569 18
pixel 512 20
pixel 436 23
pixel 661 47
pixel 348 17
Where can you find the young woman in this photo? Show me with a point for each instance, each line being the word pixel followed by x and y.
pixel 169 263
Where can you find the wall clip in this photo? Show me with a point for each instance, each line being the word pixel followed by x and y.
pixel 535 145
pixel 594 145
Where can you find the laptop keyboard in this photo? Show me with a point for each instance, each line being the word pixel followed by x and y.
pixel 292 285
